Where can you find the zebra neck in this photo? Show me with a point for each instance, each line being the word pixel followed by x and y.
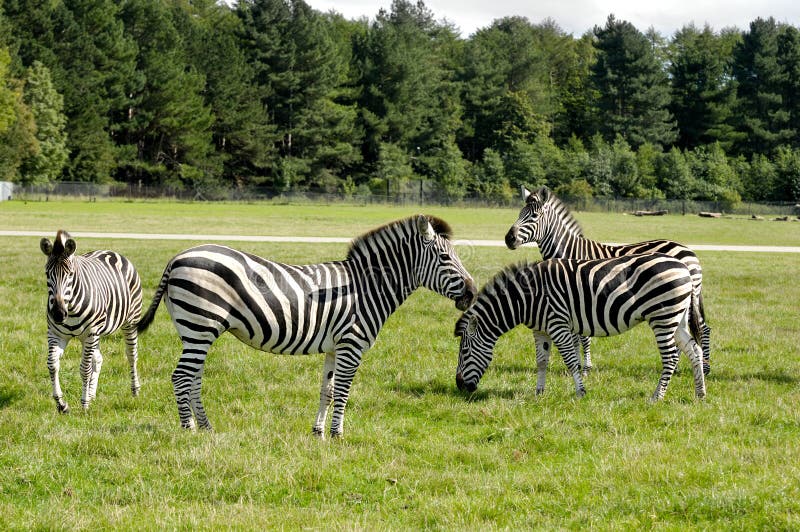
pixel 561 243
pixel 385 283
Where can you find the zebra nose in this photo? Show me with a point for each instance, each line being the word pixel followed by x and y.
pixel 511 238
pixel 468 297
pixel 460 381
pixel 58 314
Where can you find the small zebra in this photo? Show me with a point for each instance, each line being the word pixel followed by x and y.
pixel 559 298
pixel 336 308
pixel 547 221
pixel 89 296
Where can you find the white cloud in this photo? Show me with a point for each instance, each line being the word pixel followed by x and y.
pixel 579 16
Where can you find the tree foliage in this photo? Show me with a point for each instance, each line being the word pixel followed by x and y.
pixel 207 96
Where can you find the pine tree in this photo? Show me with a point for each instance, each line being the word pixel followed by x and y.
pixel 167 127
pixel 47 106
pixel 702 96
pixel 632 86
pixel 761 117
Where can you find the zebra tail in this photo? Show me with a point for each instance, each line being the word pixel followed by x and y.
pixel 147 319
pixel 696 318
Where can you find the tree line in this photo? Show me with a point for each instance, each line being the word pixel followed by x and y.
pixel 202 95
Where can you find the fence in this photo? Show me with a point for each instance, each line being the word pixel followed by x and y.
pixel 424 196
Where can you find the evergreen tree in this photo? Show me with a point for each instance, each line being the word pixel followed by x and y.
pixel 788 57
pixel 406 99
pixel 47 106
pixel 95 72
pixel 301 73
pixel 242 135
pixel 167 127
pixel 702 96
pixel 632 86
pixel 760 118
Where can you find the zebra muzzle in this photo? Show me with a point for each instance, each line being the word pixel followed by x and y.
pixel 512 242
pixel 463 386
pixel 468 297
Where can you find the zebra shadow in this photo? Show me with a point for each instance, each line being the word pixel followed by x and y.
pixel 436 387
pixel 768 376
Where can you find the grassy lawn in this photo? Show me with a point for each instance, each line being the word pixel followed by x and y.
pixel 416 452
pixel 351 220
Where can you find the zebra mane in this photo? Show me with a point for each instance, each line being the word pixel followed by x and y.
pixel 497 284
pixel 441 228
pixel 558 206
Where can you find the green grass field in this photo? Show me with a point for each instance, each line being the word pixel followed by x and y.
pixel 416 452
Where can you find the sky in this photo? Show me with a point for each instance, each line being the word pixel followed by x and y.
pixel 578 16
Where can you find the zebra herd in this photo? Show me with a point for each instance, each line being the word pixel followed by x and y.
pixel 581 289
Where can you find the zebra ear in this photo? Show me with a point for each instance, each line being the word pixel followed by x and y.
pixel 544 194
pixel 472 326
pixel 526 194
pixel 425 228
pixel 46 246
pixel 69 247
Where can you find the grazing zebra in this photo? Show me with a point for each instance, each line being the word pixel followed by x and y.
pixel 547 221
pixel 559 298
pixel 336 308
pixel 88 296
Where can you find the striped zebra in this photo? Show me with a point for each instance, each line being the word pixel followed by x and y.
pixel 89 296
pixel 559 298
pixel 547 221
pixel 336 308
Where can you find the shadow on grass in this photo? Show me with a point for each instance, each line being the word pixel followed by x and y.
pixel 9 396
pixel 769 376
pixel 438 388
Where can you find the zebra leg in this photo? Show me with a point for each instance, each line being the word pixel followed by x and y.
pixel 665 338
pixel 565 342
pixel 132 352
pixel 91 362
pixel 325 394
pixel 706 341
pixel 347 362
pixel 196 403
pixel 687 344
pixel 183 380
pixel 55 348
pixel 586 343
pixel 542 359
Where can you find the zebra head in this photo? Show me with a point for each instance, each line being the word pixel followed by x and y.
pixel 528 228
pixel 475 352
pixel 438 266
pixel 60 273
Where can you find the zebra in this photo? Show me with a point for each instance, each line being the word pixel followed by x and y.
pixel 336 308
pixel 547 221
pixel 559 298
pixel 89 296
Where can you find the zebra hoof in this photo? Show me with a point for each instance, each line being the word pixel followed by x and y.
pixel 337 435
pixel 62 408
pixel 135 391
pixel 318 432
pixel 539 391
pixel 581 393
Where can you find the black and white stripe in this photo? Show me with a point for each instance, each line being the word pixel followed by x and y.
pixel 336 308
pixel 89 296
pixel 547 221
pixel 559 298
